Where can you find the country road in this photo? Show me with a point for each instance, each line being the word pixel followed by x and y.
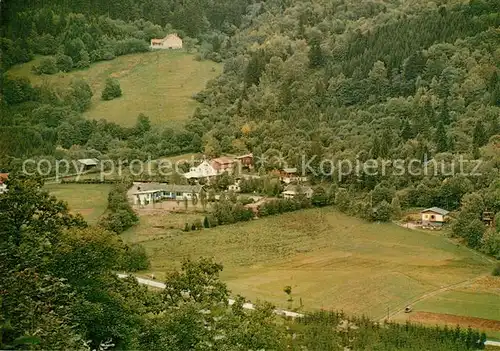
pixel 431 294
pixel 247 305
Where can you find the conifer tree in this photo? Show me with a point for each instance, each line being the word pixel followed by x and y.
pixel 316 58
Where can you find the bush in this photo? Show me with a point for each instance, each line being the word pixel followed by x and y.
pixel 496 270
pixel 47 66
pixel 111 90
pixel 121 216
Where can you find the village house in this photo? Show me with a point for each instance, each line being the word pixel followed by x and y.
pixel 433 216
pixel 292 191
pixel 87 163
pixel 146 193
pixel 171 41
pixel 246 161
pixel 203 171
pixel 223 164
pixel 3 186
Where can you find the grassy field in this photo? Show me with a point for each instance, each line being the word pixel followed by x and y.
pixel 90 200
pixel 332 261
pixel 159 84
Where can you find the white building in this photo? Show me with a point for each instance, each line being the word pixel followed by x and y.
pixel 433 216
pixel 3 186
pixel 147 193
pixel 171 41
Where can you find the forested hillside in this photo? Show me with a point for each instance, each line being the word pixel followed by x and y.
pixel 346 81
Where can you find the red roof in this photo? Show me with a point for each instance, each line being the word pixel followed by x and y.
pixel 223 160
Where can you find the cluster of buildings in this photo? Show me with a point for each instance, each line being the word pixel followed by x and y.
pixel 146 193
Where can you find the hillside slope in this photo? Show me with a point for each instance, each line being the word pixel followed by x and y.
pixel 158 84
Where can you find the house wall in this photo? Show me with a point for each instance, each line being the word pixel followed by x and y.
pixel 432 217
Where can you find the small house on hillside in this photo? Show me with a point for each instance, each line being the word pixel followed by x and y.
pixel 88 163
pixel 246 161
pixel 292 191
pixel 433 216
pixel 3 186
pixel 223 164
pixel 171 41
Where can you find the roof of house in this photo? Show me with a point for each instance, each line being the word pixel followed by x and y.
pixel 244 156
pixel 88 161
pixel 223 160
pixel 436 210
pixel 203 170
pixel 169 36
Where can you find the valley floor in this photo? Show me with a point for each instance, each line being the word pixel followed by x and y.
pixel 332 261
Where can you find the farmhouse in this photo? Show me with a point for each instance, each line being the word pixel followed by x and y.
pixel 171 41
pixel 292 191
pixel 433 216
pixel 88 163
pixel 3 186
pixel 203 171
pixel 146 193
pixel 223 164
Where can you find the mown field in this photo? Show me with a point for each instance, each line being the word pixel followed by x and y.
pixel 90 200
pixel 332 261
pixel 159 84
